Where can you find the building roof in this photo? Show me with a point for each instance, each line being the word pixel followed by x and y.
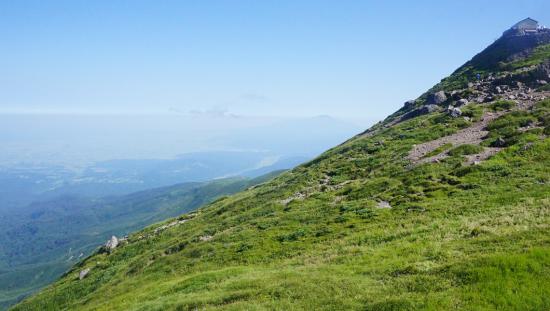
pixel 527 23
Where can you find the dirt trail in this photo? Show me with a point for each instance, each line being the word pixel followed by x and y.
pixel 472 135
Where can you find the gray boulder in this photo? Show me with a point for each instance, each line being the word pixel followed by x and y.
pixel 437 98
pixel 112 243
pixel 454 112
pixel 462 102
pixel 83 273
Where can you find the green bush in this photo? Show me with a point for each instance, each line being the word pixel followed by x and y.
pixel 473 111
pixel 501 105
pixel 465 150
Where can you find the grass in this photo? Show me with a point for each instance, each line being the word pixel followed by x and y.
pixel 456 237
pixel 539 55
pixel 40 256
pixel 507 127
pixel 465 150
pixel 507 281
pixel 501 105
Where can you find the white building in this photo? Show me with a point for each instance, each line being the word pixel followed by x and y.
pixel 527 25
pixel 524 27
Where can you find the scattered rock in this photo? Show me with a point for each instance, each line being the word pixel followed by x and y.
pixel 488 99
pixel 454 112
pixel 462 102
pixel 83 273
pixel 511 97
pixel 205 238
pixel 470 85
pixel 473 134
pixel 437 98
pixel 112 243
pixel 170 225
pixel 542 82
pixel 383 204
pixel 498 89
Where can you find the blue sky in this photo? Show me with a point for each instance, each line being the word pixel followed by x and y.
pixel 349 59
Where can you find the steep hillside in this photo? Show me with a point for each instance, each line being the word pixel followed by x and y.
pixel 444 205
pixel 38 244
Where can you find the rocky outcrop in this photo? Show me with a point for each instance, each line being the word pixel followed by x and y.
pixel 436 98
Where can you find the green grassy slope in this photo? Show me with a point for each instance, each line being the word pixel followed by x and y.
pixel 457 236
pixel 40 245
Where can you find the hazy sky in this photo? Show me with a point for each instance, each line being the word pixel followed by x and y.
pixel 359 59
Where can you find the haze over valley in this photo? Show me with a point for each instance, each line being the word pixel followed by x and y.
pixel 262 155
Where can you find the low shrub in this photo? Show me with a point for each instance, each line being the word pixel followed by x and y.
pixel 465 150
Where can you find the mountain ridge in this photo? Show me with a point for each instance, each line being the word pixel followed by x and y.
pixel 414 213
